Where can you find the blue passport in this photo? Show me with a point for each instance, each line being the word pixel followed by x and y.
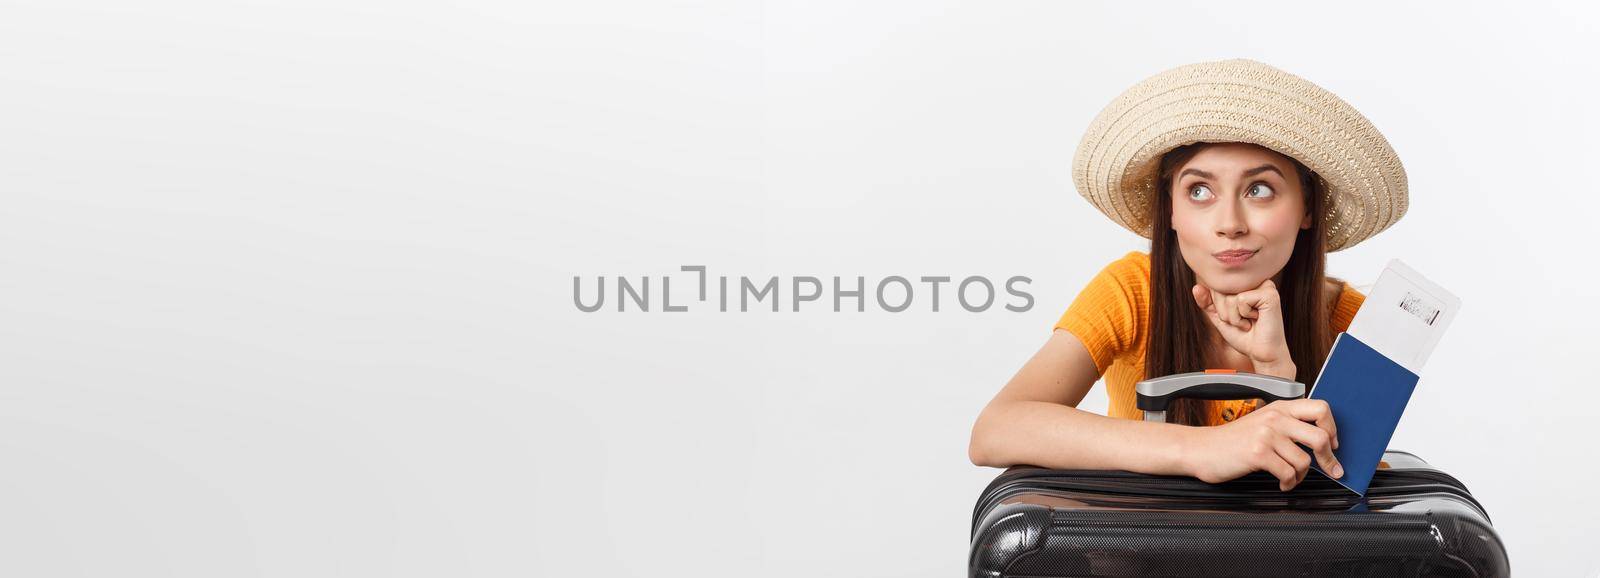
pixel 1367 392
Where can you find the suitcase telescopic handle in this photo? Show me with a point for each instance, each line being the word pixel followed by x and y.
pixel 1154 395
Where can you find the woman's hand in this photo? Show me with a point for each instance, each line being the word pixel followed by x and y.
pixel 1252 323
pixel 1265 440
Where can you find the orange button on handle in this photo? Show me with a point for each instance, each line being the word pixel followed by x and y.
pixel 1222 371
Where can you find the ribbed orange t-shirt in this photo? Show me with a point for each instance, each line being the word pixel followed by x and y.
pixel 1111 316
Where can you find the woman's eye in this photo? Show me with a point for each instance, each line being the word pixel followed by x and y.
pixel 1199 192
pixel 1265 190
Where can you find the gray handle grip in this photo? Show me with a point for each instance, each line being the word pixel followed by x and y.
pixel 1154 395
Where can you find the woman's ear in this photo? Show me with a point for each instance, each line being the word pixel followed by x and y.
pixel 1305 223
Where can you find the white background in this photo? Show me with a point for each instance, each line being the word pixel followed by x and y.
pixel 286 289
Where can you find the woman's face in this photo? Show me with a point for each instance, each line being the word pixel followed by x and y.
pixel 1237 197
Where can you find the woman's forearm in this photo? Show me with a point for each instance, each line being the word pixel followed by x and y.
pixel 1059 436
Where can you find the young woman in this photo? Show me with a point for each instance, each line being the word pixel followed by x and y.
pixel 1243 177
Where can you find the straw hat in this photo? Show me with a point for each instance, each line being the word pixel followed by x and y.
pixel 1241 101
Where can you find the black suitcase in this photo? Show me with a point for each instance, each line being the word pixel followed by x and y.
pixel 1414 521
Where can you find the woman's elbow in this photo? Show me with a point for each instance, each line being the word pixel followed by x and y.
pixel 980 447
pixel 976 452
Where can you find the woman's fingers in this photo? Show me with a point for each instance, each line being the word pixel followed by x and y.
pixel 1273 463
pixel 1240 310
pixel 1224 308
pixel 1315 411
pixel 1296 458
pixel 1228 309
pixel 1246 308
pixel 1260 299
pixel 1202 297
pixel 1318 440
pixel 1229 333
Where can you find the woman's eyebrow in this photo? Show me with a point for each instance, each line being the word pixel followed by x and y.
pixel 1249 173
pixel 1262 169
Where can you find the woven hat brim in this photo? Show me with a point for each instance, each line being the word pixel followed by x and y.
pixel 1364 183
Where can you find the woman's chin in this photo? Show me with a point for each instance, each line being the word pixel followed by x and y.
pixel 1231 282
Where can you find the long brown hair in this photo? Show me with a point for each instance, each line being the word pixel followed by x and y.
pixel 1179 332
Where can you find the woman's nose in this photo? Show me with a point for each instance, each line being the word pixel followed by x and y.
pixel 1231 221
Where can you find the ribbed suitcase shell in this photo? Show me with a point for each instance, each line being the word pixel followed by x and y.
pixel 1414 521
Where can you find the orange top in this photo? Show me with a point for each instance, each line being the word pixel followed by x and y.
pixel 1111 316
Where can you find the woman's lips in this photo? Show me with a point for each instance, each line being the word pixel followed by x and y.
pixel 1232 258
